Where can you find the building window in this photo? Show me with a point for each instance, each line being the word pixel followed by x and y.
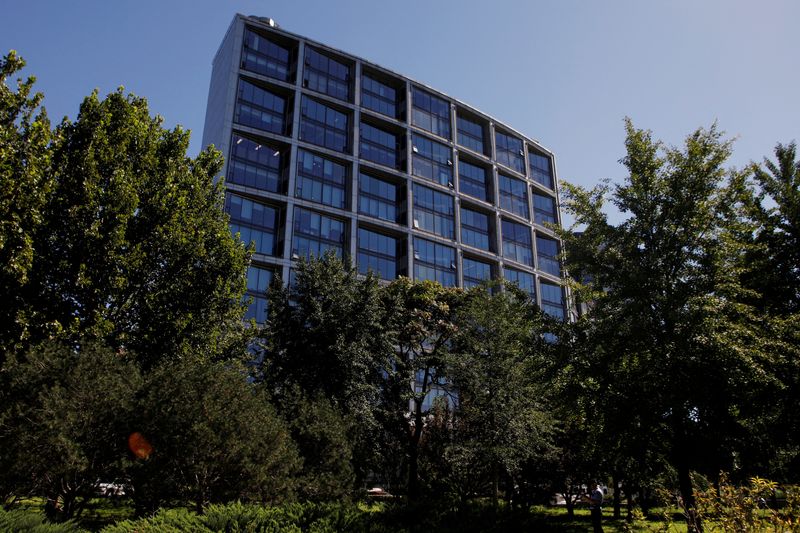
pixel 472 180
pixel 475 229
pixel 430 113
pixel 315 234
pixel 552 300
pixel 377 198
pixel 470 135
pixel 320 180
pixel 433 211
pixel 260 108
pixel 475 272
pixel 262 56
pixel 378 96
pixel 379 146
pixel 254 222
pixel 377 253
pixel 323 125
pixel 254 165
pixel 517 242
pixel 326 75
pixel 544 209
pixel 514 196
pixel 539 166
pixel 432 160
pixel 509 152
pixel 258 280
pixel 547 255
pixel 523 280
pixel 435 262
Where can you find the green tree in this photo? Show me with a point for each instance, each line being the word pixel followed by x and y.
pixel 667 292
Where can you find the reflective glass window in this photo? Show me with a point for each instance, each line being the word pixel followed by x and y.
pixel 547 255
pixel 539 166
pixel 254 222
pixel 475 272
pixel 377 198
pixel 552 300
pixel 435 262
pixel 473 180
pixel 509 151
pixel 326 75
pixel 378 96
pixel 379 146
pixel 514 196
pixel 259 108
pixel 258 280
pixel 470 134
pixel 544 208
pixel 475 229
pixel 430 113
pixel 432 160
pixel 433 211
pixel 315 234
pixel 377 253
pixel 265 57
pixel 524 280
pixel 320 180
pixel 323 125
pixel 254 165
pixel 517 242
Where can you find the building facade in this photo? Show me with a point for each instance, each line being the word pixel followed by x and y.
pixel 326 151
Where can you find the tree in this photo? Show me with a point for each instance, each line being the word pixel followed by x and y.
pixel 668 294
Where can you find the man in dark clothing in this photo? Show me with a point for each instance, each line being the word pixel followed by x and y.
pixel 596 508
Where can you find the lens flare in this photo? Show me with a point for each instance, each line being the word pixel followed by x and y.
pixel 139 445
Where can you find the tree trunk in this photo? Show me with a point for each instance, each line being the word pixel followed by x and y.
pixel 413 472
pixel 693 524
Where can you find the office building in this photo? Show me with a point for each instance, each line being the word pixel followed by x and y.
pixel 327 151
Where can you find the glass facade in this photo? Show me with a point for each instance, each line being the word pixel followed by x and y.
pixel 430 113
pixel 254 222
pixel 432 160
pixel 552 300
pixel 475 229
pixel 315 234
pixel 470 135
pixel 323 125
pixel 320 180
pixel 524 280
pixel 379 146
pixel 539 166
pixel 475 272
pixel 378 97
pixel 474 181
pixel 433 211
pixel 258 280
pixel 547 255
pixel 509 151
pixel 377 198
pixel 259 108
pixel 514 196
pixel 265 57
pixel 377 253
pixel 517 242
pixel 544 209
pixel 254 165
pixel 326 75
pixel 435 262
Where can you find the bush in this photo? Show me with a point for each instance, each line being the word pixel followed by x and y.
pixel 34 522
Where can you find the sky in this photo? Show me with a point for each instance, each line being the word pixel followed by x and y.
pixel 564 72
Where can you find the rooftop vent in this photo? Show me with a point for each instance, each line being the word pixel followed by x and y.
pixel 268 21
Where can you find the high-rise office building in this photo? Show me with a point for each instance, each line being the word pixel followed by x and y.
pixel 326 151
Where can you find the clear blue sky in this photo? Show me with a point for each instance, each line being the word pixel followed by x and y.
pixel 564 72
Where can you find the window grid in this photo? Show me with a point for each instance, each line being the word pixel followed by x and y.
pixel 434 212
pixel 470 135
pixel 377 253
pixel 258 280
pixel 259 108
pixel 435 262
pixel 524 280
pixel 430 113
pixel 254 222
pixel 544 209
pixel 377 198
pixel 475 229
pixel 517 242
pixel 314 234
pixel 552 300
pixel 320 180
pixel 541 172
pixel 547 255
pixel 378 96
pixel 254 165
pixel 475 272
pixel 514 196
pixel 509 152
pixel 323 125
pixel 326 75
pixel 432 160
pixel 379 146
pixel 265 57
pixel 472 180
